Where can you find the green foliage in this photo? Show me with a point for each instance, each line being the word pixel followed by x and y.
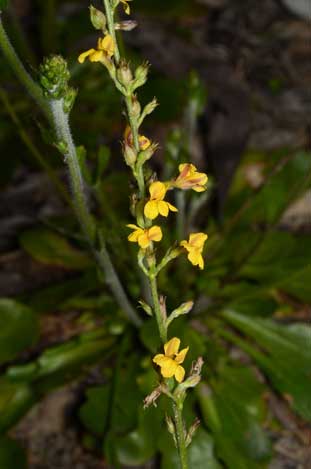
pixel 19 328
pixel 50 248
pixel 12 455
pixel 286 356
pixel 233 409
pixel 4 4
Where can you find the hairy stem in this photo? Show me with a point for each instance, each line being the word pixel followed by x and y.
pixel 61 123
pixel 33 89
pixel 180 434
pixel 33 150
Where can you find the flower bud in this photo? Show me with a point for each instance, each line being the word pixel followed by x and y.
pixel 128 25
pixel 150 107
pixel 141 74
pixel 98 19
pixel 136 107
pixel 130 154
pixel 184 308
pixel 146 307
pixel 69 99
pixel 145 155
pixel 124 74
pixel 54 77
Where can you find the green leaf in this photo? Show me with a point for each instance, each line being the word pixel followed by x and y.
pixel 94 412
pixel 50 248
pixel 4 4
pixel 233 408
pixel 19 328
pixel 15 400
pixel 281 259
pixel 140 445
pixel 287 179
pixel 12 456
pixel 286 356
pixel 201 454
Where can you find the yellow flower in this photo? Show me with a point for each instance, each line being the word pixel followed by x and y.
pixel 126 6
pixel 170 361
pixel 156 205
pixel 144 142
pixel 105 49
pixel 195 247
pixel 144 237
pixel 189 178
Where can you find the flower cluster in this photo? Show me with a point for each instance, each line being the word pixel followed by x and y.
pixel 148 203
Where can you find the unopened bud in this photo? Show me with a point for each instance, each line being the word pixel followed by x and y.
pixel 145 155
pixel 136 107
pixel 184 308
pixel 128 25
pixel 145 307
pixel 170 424
pixel 141 74
pixel 98 19
pixel 130 154
pixel 124 74
pixel 150 107
pixel 69 99
pixel 54 77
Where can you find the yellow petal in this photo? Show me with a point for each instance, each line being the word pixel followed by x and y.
pixel 85 54
pixel 179 374
pixel 143 240
pixel 144 142
pixel 107 44
pixel 133 227
pixel 194 256
pixel 197 240
pixel 157 190
pixel 171 347
pixel 199 188
pixel 186 245
pixel 180 357
pixel 133 237
pixel 155 233
pixel 171 207
pixel 163 208
pixel 96 56
pixel 158 359
pixel 151 210
pixel 168 367
pixel 201 262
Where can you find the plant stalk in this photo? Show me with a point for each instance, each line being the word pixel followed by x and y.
pixel 33 89
pixel 157 308
pixel 62 127
pixel 180 434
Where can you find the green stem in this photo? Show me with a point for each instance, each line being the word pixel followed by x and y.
pixel 62 128
pixel 157 309
pixel 111 28
pixel 33 149
pixel 180 434
pixel 33 89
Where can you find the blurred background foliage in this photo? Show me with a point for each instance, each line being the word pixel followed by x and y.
pixel 232 79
